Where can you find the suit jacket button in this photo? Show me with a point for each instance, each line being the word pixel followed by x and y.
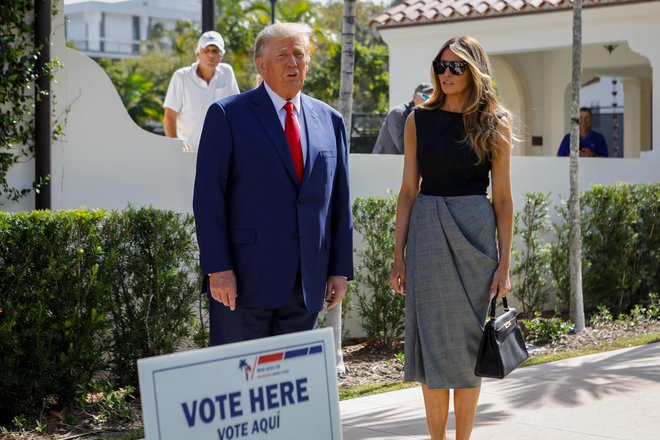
pixel 300 202
pixel 296 235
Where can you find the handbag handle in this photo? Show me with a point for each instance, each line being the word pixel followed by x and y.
pixel 493 303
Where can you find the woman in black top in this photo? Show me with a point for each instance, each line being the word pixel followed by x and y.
pixel 446 260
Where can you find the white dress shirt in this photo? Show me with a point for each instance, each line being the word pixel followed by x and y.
pixel 279 102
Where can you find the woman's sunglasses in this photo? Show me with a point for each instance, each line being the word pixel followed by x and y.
pixel 455 67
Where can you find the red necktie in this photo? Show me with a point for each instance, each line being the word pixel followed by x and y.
pixel 293 139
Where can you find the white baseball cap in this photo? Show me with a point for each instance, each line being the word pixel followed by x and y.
pixel 208 38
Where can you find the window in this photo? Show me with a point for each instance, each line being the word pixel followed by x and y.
pixel 136 35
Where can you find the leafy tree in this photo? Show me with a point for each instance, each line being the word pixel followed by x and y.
pixel 142 84
pixel 239 22
pixel 371 75
pixel 141 99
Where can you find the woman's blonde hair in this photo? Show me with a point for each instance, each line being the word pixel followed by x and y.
pixel 484 115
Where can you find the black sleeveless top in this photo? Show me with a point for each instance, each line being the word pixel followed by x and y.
pixel 447 164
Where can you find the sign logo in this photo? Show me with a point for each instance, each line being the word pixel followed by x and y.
pixel 274 364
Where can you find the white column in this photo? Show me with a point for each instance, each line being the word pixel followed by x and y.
pixel 92 21
pixel 645 100
pixel 144 31
pixel 557 68
pixel 655 66
pixel 632 120
pixel 645 44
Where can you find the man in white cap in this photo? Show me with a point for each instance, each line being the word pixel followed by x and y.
pixel 193 89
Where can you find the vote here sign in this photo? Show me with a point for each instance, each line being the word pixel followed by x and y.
pixel 284 387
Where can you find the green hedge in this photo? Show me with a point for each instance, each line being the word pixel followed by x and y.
pixel 85 294
pixel 620 250
pixel 620 246
pixel 381 309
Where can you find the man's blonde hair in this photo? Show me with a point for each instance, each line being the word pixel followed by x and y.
pixel 282 30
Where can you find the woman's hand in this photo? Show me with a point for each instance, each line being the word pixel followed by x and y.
pixel 398 277
pixel 501 284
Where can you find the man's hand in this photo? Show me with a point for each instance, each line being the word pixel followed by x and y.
pixel 586 152
pixel 223 288
pixel 335 291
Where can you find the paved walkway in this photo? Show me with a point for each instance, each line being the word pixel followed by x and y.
pixel 614 395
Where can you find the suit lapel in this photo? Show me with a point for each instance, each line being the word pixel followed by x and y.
pixel 314 131
pixel 267 116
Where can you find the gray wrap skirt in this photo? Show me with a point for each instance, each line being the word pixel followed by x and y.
pixel 450 258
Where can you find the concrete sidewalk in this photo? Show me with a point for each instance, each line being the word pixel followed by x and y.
pixel 613 395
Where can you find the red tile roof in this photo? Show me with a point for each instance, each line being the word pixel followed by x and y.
pixel 411 12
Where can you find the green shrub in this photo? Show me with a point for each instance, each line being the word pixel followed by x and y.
pixel 107 402
pixel 543 331
pixel 559 258
pixel 602 317
pixel 53 329
pixel 151 309
pixel 85 294
pixel 532 258
pixel 620 247
pixel 381 309
pixel 609 243
pixel 646 258
pixel 653 309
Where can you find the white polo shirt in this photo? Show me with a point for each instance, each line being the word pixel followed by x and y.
pixel 190 96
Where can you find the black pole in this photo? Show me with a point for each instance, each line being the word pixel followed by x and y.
pixel 42 105
pixel 208 15
pixel 272 11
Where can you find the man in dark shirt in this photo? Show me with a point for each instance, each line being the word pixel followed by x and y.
pixel 390 137
pixel 592 143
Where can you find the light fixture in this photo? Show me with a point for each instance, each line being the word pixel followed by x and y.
pixel 610 47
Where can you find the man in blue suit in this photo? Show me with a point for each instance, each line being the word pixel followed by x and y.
pixel 271 199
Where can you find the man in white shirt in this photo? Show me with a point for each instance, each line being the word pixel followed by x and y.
pixel 193 89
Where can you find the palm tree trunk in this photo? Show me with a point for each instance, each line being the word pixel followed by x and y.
pixel 347 65
pixel 575 244
pixel 346 109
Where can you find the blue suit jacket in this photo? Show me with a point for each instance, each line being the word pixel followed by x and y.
pixel 251 214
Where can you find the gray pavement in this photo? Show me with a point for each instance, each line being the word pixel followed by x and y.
pixel 613 395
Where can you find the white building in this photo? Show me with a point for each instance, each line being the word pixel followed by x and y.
pixel 529 43
pixel 120 28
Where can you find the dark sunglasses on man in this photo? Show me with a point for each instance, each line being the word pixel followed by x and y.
pixel 455 67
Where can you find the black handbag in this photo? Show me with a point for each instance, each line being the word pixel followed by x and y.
pixel 502 346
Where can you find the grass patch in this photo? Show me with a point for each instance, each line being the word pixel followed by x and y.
pixel 373 388
pixel 132 435
pixel 632 341
pixel 615 344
